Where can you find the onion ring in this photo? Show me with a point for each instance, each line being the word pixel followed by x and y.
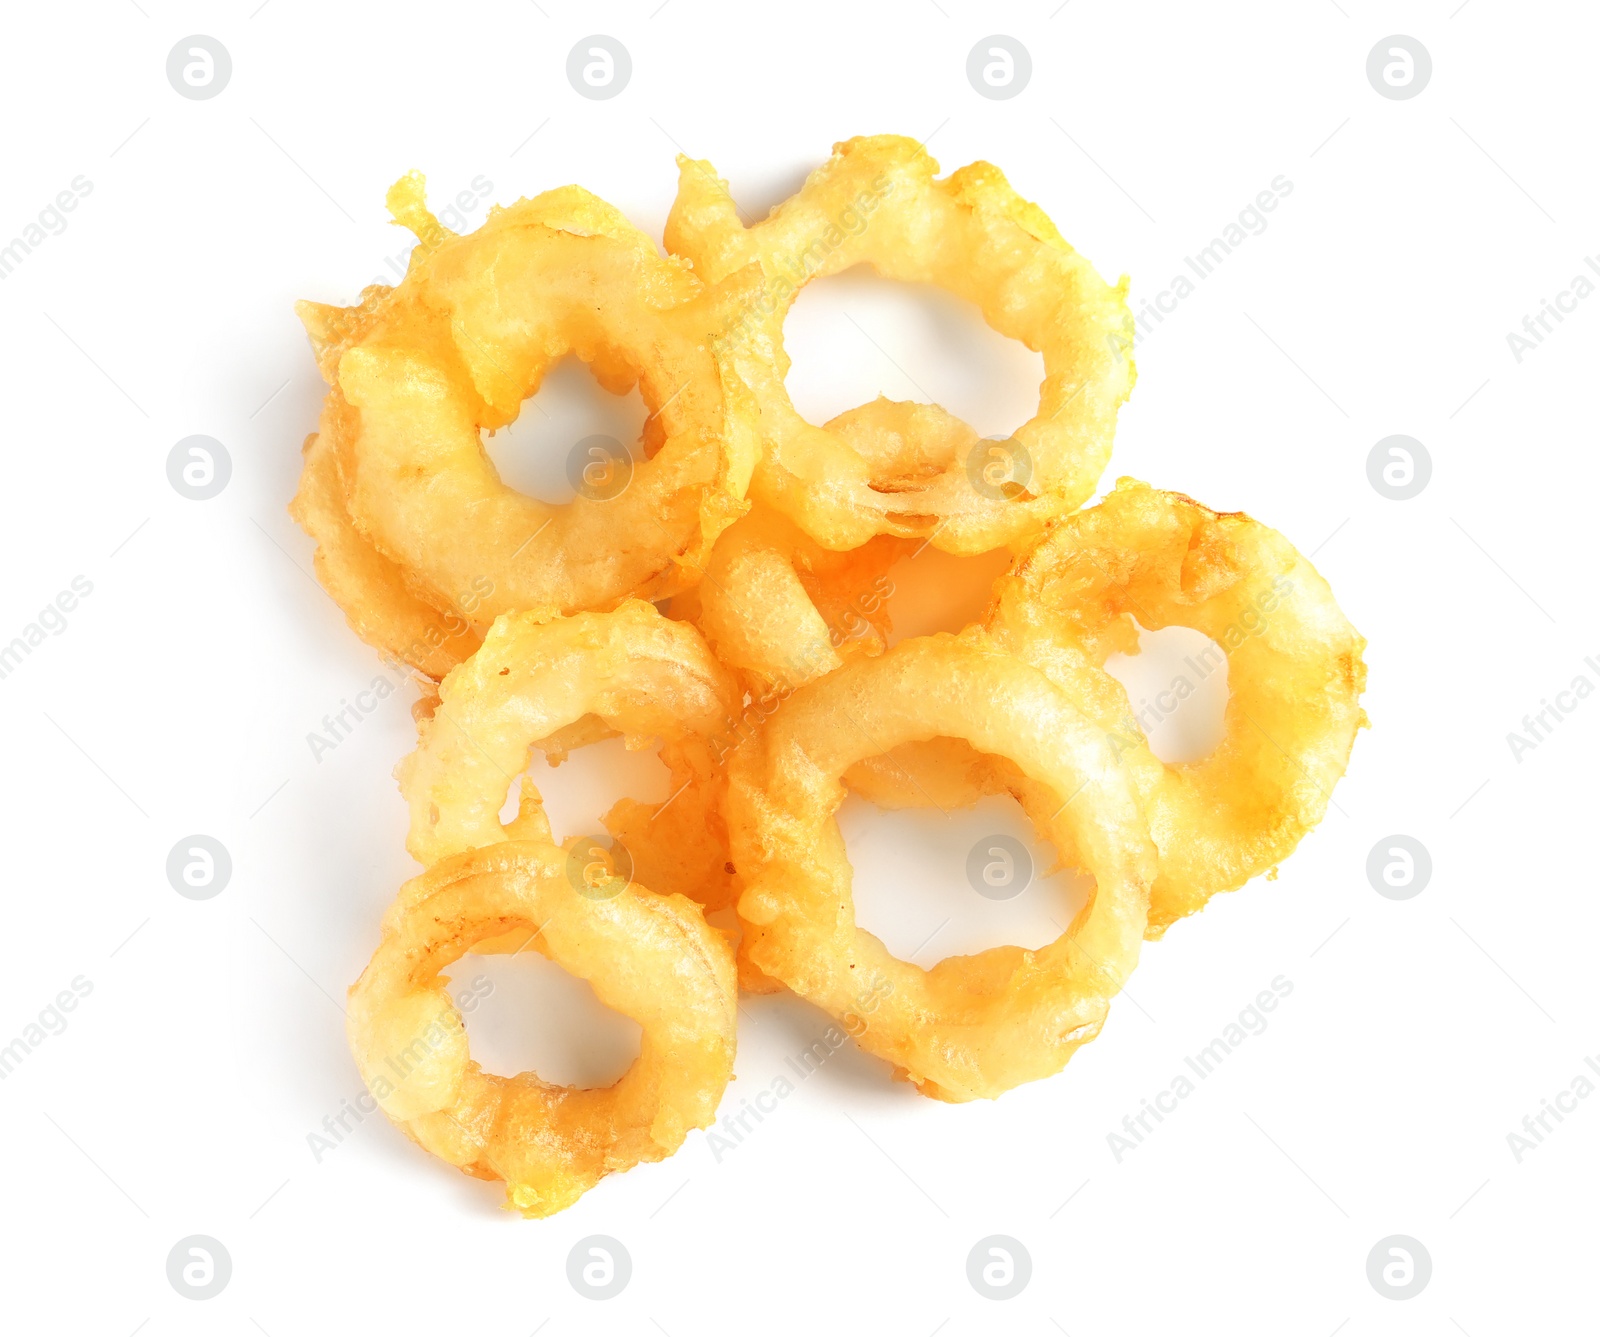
pixel 652 958
pixel 1295 674
pixel 972 1026
pixel 779 609
pixel 466 337
pixel 366 585
pixel 557 684
pixel 913 469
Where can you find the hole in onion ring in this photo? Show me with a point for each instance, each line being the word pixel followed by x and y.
pixel 591 780
pixel 1177 689
pixel 932 885
pixel 524 1013
pixel 854 336
pixel 533 454
pixel 935 591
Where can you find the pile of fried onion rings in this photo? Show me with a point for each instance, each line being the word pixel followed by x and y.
pixel 723 602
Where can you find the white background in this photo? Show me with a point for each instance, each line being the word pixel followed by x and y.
pixel 177 700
